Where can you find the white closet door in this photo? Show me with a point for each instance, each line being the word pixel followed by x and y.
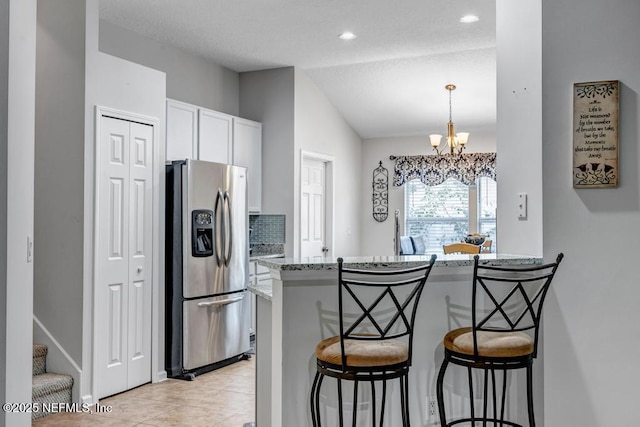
pixel 140 255
pixel 123 267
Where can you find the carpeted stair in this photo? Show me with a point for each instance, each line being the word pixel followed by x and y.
pixel 47 388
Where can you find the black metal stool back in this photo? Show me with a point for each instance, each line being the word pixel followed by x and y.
pixel 506 309
pixel 377 310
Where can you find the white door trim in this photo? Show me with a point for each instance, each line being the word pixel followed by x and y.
pixel 157 275
pixel 329 161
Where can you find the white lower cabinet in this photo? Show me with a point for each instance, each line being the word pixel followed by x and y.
pixel 252 280
pixel 258 275
pixel 252 329
pixel 262 275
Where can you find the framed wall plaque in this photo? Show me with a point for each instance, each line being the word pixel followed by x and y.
pixel 595 134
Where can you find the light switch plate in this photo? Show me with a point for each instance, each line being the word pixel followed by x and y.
pixel 522 205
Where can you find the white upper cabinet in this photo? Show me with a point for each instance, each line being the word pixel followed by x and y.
pixel 215 136
pixel 199 133
pixel 182 131
pixel 247 152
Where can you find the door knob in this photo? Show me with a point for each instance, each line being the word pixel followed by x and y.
pixel 139 269
pixel 325 249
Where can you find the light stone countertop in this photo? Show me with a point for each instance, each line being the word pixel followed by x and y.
pixel 262 290
pixel 451 260
pixel 258 257
pixel 265 250
pixel 298 266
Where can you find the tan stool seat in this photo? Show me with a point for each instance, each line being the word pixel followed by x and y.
pixel 490 344
pixel 362 353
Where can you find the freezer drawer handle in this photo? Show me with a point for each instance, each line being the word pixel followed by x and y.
pixel 220 302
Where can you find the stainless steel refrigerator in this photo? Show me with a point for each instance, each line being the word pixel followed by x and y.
pixel 207 267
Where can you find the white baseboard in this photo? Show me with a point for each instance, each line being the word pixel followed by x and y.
pixel 58 360
pixel 87 399
pixel 160 376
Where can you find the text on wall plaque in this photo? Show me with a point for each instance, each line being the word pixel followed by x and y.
pixel 595 134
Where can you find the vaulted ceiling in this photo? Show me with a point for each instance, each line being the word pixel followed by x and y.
pixel 388 81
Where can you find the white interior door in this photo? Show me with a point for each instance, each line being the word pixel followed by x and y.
pixel 124 255
pixel 312 208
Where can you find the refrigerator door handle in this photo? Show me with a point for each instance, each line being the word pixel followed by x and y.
pixel 220 302
pixel 218 238
pixel 229 228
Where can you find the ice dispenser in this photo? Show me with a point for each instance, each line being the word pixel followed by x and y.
pixel 202 233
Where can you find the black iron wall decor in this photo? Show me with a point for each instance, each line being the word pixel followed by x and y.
pixel 380 193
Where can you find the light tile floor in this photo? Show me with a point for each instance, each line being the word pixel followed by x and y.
pixel 221 398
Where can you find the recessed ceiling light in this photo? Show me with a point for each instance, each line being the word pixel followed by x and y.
pixel 468 19
pixel 347 35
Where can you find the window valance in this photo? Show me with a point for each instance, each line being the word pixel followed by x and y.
pixel 434 170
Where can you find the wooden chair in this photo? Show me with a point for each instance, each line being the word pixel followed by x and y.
pixel 461 248
pixel 377 310
pixel 506 308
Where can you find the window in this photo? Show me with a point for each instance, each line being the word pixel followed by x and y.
pixel 446 213
pixel 487 204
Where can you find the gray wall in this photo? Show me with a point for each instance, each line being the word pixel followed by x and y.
pixel 592 323
pixel 4 178
pixel 320 129
pixel 189 78
pixel 17 98
pixel 59 166
pixel 519 134
pixel 129 87
pixel 519 146
pixel 296 116
pixel 268 97
pixel 72 79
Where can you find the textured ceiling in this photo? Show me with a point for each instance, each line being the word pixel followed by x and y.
pixel 389 81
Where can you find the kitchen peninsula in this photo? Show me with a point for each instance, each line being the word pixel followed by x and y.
pixel 300 308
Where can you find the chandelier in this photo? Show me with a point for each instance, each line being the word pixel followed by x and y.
pixel 456 142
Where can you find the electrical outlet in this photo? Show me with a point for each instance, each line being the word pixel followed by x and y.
pixel 432 406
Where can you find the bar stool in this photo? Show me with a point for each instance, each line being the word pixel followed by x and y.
pixel 505 319
pixel 377 311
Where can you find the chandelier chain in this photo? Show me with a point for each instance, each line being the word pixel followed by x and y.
pixel 450 119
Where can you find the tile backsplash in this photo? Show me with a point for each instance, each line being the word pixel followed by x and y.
pixel 267 229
